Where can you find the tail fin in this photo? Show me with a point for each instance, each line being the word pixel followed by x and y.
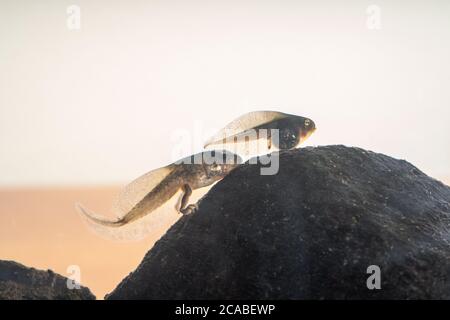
pixel 103 222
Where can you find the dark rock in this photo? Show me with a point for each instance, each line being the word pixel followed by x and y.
pixel 18 282
pixel 309 232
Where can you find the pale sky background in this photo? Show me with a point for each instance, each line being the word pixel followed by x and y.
pixel 101 104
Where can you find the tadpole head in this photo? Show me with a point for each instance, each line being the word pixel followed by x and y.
pixel 292 132
pixel 307 129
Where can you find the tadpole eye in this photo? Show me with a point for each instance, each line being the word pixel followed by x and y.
pixel 288 139
pixel 307 123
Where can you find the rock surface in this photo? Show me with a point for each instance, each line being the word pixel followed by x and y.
pixel 309 232
pixel 18 282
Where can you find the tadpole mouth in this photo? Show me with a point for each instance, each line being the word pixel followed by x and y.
pixel 305 135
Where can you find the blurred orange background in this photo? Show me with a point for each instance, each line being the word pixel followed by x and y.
pixel 40 228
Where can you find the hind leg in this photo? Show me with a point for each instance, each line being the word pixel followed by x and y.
pixel 184 207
